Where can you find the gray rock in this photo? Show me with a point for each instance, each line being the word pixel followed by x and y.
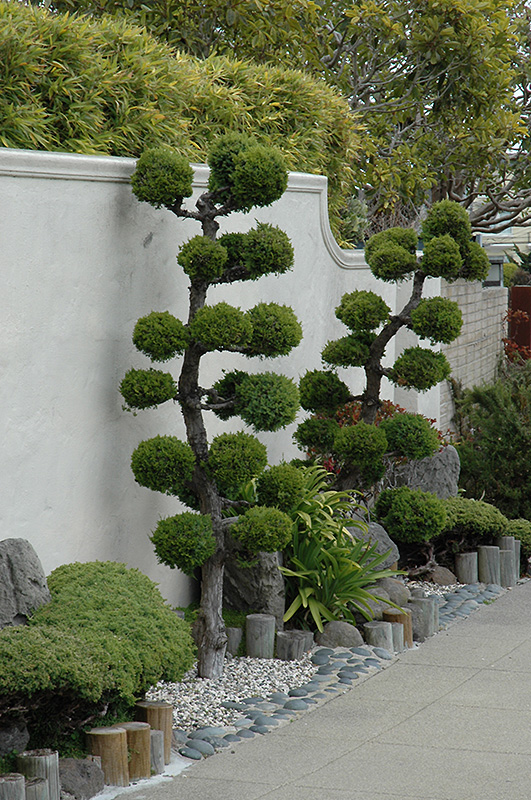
pixel 190 752
pixel 438 474
pixel 397 591
pixel 377 535
pixel 80 778
pixel 14 737
pixel 203 747
pixel 339 634
pixel 23 586
pixel 296 705
pixel 442 576
pixel 259 588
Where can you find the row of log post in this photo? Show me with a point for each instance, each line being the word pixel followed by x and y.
pixel 37 777
pixel 498 564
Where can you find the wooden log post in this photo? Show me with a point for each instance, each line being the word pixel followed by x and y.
pixel 466 567
pixel 157 751
pixel 234 638
pixel 422 617
pixel 138 749
pixel 41 764
pixel 517 554
pixel 398 637
pixel 260 635
pixel 404 618
pixel 37 789
pixel 507 568
pixel 290 647
pixel 379 634
pixel 159 715
pixel 111 745
pixel 489 564
pixel 12 786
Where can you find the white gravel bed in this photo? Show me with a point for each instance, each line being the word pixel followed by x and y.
pixel 197 701
pixel 433 588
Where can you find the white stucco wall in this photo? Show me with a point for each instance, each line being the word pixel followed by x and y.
pixel 81 260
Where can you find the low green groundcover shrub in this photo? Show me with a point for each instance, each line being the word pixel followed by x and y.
pixel 102 641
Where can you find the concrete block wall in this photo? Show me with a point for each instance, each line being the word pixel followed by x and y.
pixel 474 356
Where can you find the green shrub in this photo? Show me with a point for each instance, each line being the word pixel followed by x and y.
pixel 163 464
pixel 147 388
pixel 437 319
pixel 222 158
pixel 267 401
pixel 234 459
pixel 221 327
pixel 362 311
pixel 419 368
pixel 202 259
pixel 473 520
pixel 275 330
pixel 362 446
pixel 403 237
pixel 410 515
pixel 185 541
pixel 162 177
pixel 102 641
pixel 268 251
pixel 260 177
pixel 442 258
pixel 476 263
pixel 236 245
pixel 160 336
pixel 263 529
pixel 448 218
pixel 280 486
pixel 322 391
pixel 410 435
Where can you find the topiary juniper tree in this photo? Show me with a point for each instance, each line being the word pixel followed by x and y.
pixel 449 253
pixel 206 476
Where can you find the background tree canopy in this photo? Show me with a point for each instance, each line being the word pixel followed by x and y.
pixel 441 89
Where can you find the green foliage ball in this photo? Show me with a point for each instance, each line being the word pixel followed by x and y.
pixel 280 486
pixel 447 218
pixel 236 246
pixel 362 446
pixel 202 259
pixel 437 319
pixel 263 529
pixel 476 265
pixel 163 464
pixel 349 351
pixel 420 368
pixel 160 336
pixel 234 459
pixel 221 327
pixel 222 157
pixel 185 541
pixel 267 401
pixel 162 177
pixel 260 177
pixel 410 515
pixel 391 263
pixel 403 237
pixel 322 391
pixel 410 435
pixel 474 519
pixel 316 433
pixel 275 330
pixel 147 388
pixel 362 311
pixel 521 529
pixel 225 389
pixel 268 250
pixel 442 258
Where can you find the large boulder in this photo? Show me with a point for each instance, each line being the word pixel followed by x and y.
pixel 397 590
pixel 438 474
pixel 374 607
pixel 259 588
pixel 377 535
pixel 14 736
pixel 339 634
pixel 23 586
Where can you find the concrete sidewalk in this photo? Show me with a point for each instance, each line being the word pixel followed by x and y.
pixel 450 720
